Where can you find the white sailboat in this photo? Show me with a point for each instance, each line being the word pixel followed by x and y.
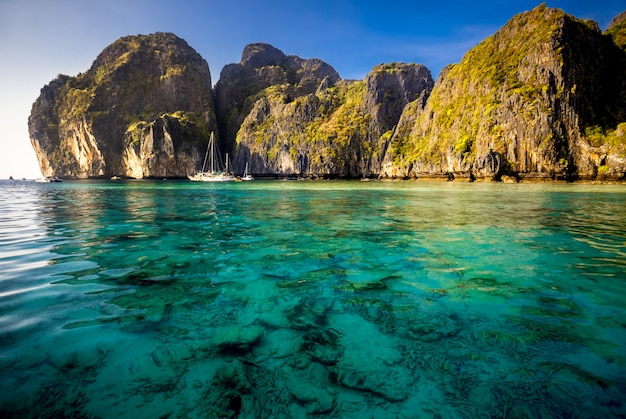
pixel 48 179
pixel 246 175
pixel 213 172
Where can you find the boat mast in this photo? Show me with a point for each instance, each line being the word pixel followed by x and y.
pixel 212 153
pixel 207 153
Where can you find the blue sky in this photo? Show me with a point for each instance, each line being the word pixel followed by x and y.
pixel 40 39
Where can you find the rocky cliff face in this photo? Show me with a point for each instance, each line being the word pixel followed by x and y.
pixel 523 103
pixel 143 109
pixel 544 97
pixel 262 66
pixel 340 129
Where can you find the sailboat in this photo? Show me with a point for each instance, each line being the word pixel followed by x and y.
pixel 213 172
pixel 246 175
pixel 48 179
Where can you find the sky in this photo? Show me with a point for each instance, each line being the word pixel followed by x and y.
pixel 40 39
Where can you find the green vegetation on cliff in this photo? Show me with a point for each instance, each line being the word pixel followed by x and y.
pixel 617 30
pixel 327 127
pixel 612 139
pixel 340 130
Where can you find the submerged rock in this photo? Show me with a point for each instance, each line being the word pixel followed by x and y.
pixel 316 399
pixel 232 375
pixel 236 338
pixel 433 328
pixel 377 382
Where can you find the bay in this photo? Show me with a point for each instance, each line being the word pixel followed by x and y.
pixel 301 299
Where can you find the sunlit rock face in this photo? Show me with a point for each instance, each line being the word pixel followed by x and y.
pixel 259 85
pixel 144 109
pixel 340 128
pixel 544 97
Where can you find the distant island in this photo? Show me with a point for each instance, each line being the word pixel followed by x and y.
pixel 542 98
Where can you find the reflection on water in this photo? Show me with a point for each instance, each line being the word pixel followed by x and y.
pixel 296 299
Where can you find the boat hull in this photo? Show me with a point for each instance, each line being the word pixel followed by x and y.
pixel 210 177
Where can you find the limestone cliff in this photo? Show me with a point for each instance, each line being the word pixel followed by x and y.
pixel 340 129
pixel 143 109
pixel 544 97
pixel 263 66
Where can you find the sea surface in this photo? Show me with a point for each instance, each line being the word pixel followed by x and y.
pixel 340 299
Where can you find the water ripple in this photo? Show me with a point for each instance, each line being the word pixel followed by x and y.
pixel 339 299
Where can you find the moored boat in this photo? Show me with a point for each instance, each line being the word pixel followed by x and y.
pixel 213 171
pixel 48 179
pixel 246 176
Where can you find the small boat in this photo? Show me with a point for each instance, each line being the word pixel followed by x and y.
pixel 213 172
pixel 115 178
pixel 48 179
pixel 246 175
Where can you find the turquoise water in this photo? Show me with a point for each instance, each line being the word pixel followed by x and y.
pixel 312 299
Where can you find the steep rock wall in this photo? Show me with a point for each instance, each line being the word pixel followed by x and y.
pixel 159 149
pixel 262 66
pixel 82 126
pixel 518 104
pixel 340 130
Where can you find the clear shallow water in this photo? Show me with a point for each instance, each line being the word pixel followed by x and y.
pixel 297 299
